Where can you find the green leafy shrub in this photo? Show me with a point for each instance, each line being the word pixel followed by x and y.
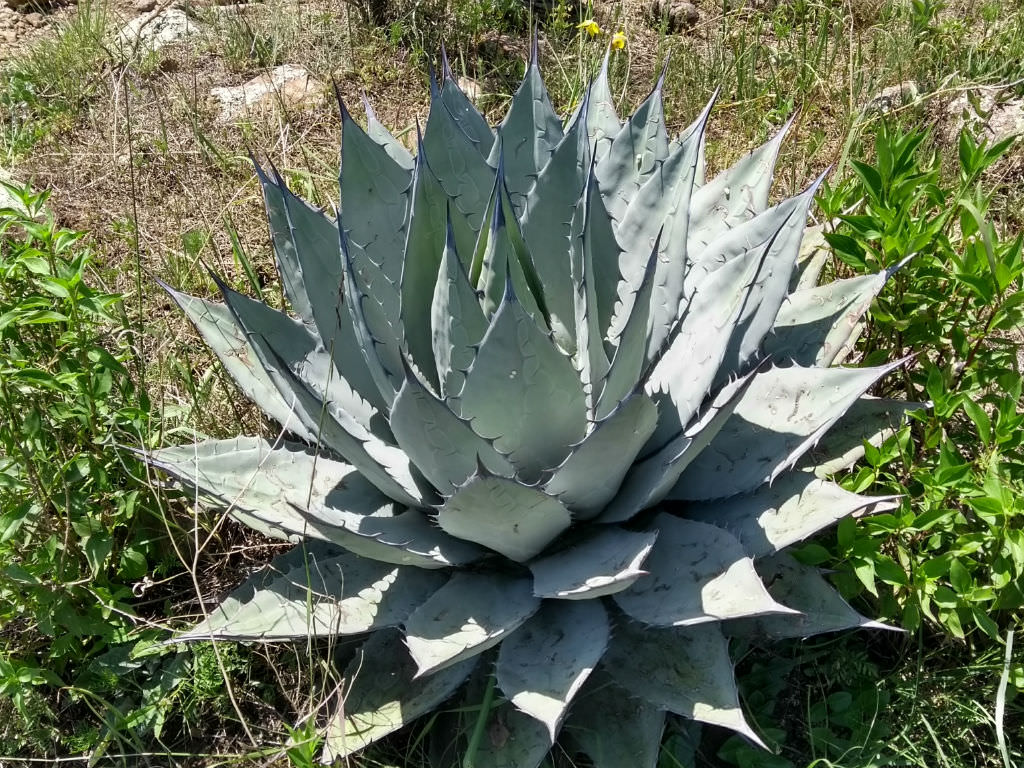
pixel 952 553
pixel 77 525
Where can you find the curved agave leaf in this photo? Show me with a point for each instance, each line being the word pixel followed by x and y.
pixel 596 564
pixel 651 480
pixel 316 272
pixel 592 266
pixel 614 728
pixel 250 473
pixel 815 325
pixel 384 694
pixel 779 417
pixel 465 617
pixel 527 135
pixel 218 329
pixel 284 348
pixel 547 225
pixel 803 587
pixel 440 444
pixel 513 739
pixel 317 590
pixel 762 302
pixel 637 150
pixel 462 110
pixel 814 253
pixel 281 236
pixel 685 670
pixel 457 322
pixel 627 365
pixel 871 420
pixel 375 193
pixel 659 211
pixel 522 393
pixel 463 173
pixel 735 195
pixel 376 131
pixel 543 665
pixel 503 257
pixel 516 520
pixel 592 474
pixel 697 573
pixel 795 506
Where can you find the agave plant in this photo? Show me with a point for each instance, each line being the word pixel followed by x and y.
pixel 556 403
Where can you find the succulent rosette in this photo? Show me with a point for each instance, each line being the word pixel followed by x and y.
pixel 554 404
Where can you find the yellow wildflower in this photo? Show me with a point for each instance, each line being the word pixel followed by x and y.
pixel 619 40
pixel 590 27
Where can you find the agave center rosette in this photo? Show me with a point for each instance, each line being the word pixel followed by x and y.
pixel 555 403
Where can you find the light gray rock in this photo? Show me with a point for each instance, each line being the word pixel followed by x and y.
pixel 679 14
pixel 288 85
pixel 893 97
pixel 149 32
pixel 993 118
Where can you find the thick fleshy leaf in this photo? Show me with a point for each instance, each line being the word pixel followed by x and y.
pixel 814 253
pixel 464 113
pixel 597 564
pixel 635 152
pixel 289 493
pixel 659 212
pixel 465 617
pixel 685 670
pixel 697 573
pixel 613 727
pixel 250 473
pixel 512 739
pixel 547 228
pixel 375 196
pixel 603 122
pixel 594 274
pixel 441 445
pixel 628 363
pixel 516 520
pixel 288 265
pixel 795 506
pixel 528 135
pixel 289 354
pixel 734 196
pixel 374 306
pixel 463 173
pixel 869 419
pixel 524 394
pixel 771 283
pixel 315 263
pixel 592 474
pixel 681 379
pixel 383 694
pixel 815 325
pixel 543 665
pixel 429 234
pixel 376 131
pixel 317 590
pixel 457 322
pixel 802 587
pixel 780 416
pixel 503 258
pixel 217 326
pixel 649 481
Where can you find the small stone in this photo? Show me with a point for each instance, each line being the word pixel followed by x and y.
pixel 35 20
pixel 7 200
pixel 990 116
pixel 893 97
pixel 470 87
pixel 678 14
pixel 152 32
pixel 288 85
pixel 8 36
pixel 144 6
